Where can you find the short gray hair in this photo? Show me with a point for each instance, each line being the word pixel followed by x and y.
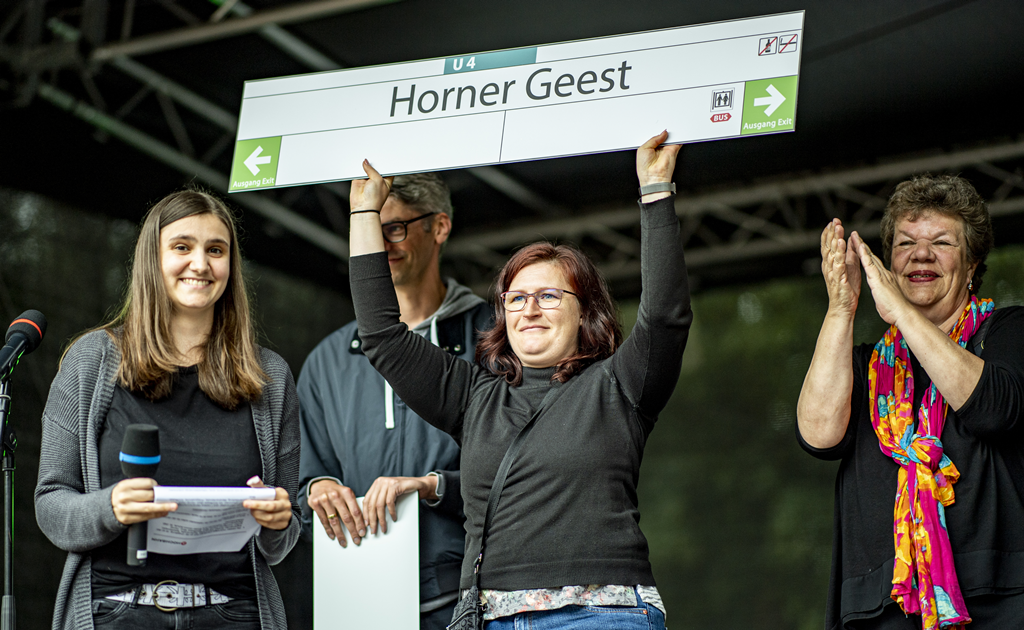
pixel 426 192
pixel 949 195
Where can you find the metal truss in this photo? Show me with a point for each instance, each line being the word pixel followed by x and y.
pixel 757 221
pixel 196 132
pixel 753 222
pixel 64 54
pixel 218 28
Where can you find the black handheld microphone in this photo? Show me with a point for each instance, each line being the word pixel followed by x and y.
pixel 140 456
pixel 23 336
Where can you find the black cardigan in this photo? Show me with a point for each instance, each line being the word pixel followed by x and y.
pixel 568 513
pixel 984 439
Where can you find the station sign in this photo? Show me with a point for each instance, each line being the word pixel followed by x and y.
pixel 704 82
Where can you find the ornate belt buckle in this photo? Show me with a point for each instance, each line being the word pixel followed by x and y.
pixel 156 596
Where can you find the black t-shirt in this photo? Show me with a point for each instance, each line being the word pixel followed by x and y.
pixel 984 439
pixel 201 444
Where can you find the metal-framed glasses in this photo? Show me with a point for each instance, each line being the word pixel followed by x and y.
pixel 545 298
pixel 396 231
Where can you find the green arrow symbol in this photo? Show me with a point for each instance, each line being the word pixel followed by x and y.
pixel 773 100
pixel 254 160
pixel 769 105
pixel 255 163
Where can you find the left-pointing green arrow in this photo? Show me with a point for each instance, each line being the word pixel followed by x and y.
pixel 255 163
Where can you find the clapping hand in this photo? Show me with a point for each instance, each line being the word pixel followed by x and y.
pixel 889 299
pixel 840 265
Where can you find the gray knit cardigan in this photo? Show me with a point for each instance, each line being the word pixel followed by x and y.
pixel 75 513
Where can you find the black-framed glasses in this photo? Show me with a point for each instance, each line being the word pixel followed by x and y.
pixel 397 231
pixel 545 298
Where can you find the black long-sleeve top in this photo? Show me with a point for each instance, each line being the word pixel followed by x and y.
pixel 984 439
pixel 568 513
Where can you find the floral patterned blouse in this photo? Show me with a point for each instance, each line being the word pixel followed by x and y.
pixel 505 603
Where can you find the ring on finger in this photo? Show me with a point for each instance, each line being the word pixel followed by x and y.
pixel 331 517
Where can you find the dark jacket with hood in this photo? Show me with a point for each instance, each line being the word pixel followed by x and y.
pixel 346 435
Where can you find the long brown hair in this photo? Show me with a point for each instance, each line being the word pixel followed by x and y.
pixel 229 372
pixel 600 332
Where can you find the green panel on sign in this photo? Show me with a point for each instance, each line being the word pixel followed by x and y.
pixel 255 164
pixel 488 61
pixel 769 105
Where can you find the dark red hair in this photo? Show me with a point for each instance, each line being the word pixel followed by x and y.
pixel 600 333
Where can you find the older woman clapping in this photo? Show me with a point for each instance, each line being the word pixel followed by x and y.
pixel 564 546
pixel 930 494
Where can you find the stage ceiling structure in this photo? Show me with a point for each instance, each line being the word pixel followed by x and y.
pixel 110 105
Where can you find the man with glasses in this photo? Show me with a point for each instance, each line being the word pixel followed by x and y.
pixel 359 439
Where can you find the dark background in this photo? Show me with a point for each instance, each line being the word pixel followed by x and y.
pixel 881 84
pixel 739 519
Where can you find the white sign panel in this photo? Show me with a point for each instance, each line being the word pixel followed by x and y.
pixel 704 82
pixel 375 584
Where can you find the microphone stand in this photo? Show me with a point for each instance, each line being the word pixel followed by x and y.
pixel 8 618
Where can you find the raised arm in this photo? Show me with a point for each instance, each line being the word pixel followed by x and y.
pixel 433 383
pixel 954 370
pixel 823 411
pixel 366 199
pixel 996 408
pixel 648 363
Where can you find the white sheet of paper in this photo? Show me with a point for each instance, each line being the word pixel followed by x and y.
pixel 207 520
pixel 702 82
pixel 374 585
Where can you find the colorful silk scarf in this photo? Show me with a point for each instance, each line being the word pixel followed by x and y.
pixel 924 579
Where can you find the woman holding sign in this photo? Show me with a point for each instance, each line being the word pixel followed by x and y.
pixel 927 422
pixel 180 355
pixel 564 546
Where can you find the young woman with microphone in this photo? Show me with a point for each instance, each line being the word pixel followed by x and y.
pixel 180 355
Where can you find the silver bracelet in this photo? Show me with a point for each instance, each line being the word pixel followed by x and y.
pixel 669 187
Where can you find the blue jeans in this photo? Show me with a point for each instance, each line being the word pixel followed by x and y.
pixel 643 617
pixel 238 614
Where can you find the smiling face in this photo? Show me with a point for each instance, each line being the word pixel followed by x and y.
pixel 195 260
pixel 929 260
pixel 543 337
pixel 412 259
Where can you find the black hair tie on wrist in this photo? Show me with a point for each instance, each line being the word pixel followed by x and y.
pixel 362 211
